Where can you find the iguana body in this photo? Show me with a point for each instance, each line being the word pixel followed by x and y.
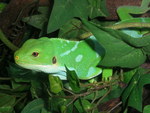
pixel 51 55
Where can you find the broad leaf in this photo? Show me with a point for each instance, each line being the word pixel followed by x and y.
pixel 133 93
pixel 6 103
pixel 128 91
pixel 127 75
pixel 82 105
pixel 26 74
pixel 135 99
pixel 36 89
pixel 117 52
pixel 45 111
pixel 64 10
pixel 73 80
pixel 34 106
pixel 56 104
pixel 71 30
pixel 39 20
pixel 36 21
pixel 20 87
pixel 146 109
pixel 137 42
pixel 113 94
pixel 55 84
pixel 97 8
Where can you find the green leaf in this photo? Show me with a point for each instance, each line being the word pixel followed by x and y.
pixel 135 99
pixel 86 104
pixel 43 10
pixel 137 42
pixel 2 6
pixel 6 103
pixel 68 9
pixel 117 52
pixel 20 87
pixel 70 108
pixel 34 106
pixel 55 84
pixel 73 80
pixel 36 21
pixel 128 91
pixel 79 106
pixel 39 21
pixel 71 30
pixel 146 109
pixel 127 76
pixel 64 10
pixel 24 75
pixel 56 104
pixel 45 111
pixel 63 109
pixel 97 8
pixel 115 93
pixel 37 88
pixel 147 49
pixel 20 74
pixel 82 105
pixel 133 93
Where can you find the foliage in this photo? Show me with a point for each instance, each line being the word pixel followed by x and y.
pixel 26 91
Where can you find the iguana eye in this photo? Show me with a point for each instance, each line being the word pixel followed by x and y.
pixel 54 60
pixel 35 54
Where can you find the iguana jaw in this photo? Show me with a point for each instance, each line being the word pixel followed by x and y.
pixel 43 68
pixel 52 69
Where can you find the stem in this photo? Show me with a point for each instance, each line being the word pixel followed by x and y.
pixel 115 107
pixel 100 100
pixel 68 91
pixel 22 97
pixel 129 25
pixel 7 42
pixel 94 97
pixel 82 94
pixel 119 26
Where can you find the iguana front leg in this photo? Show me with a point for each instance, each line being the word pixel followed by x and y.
pixel 107 74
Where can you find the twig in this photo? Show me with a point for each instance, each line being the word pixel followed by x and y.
pixel 47 90
pixel 4 78
pixel 91 84
pixel 114 107
pixel 7 42
pixel 92 109
pixel 68 91
pixel 22 97
pixel 94 97
pixel 71 101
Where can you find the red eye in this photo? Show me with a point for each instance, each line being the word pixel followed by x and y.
pixel 35 54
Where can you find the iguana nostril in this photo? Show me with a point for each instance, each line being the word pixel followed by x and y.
pixel 16 57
